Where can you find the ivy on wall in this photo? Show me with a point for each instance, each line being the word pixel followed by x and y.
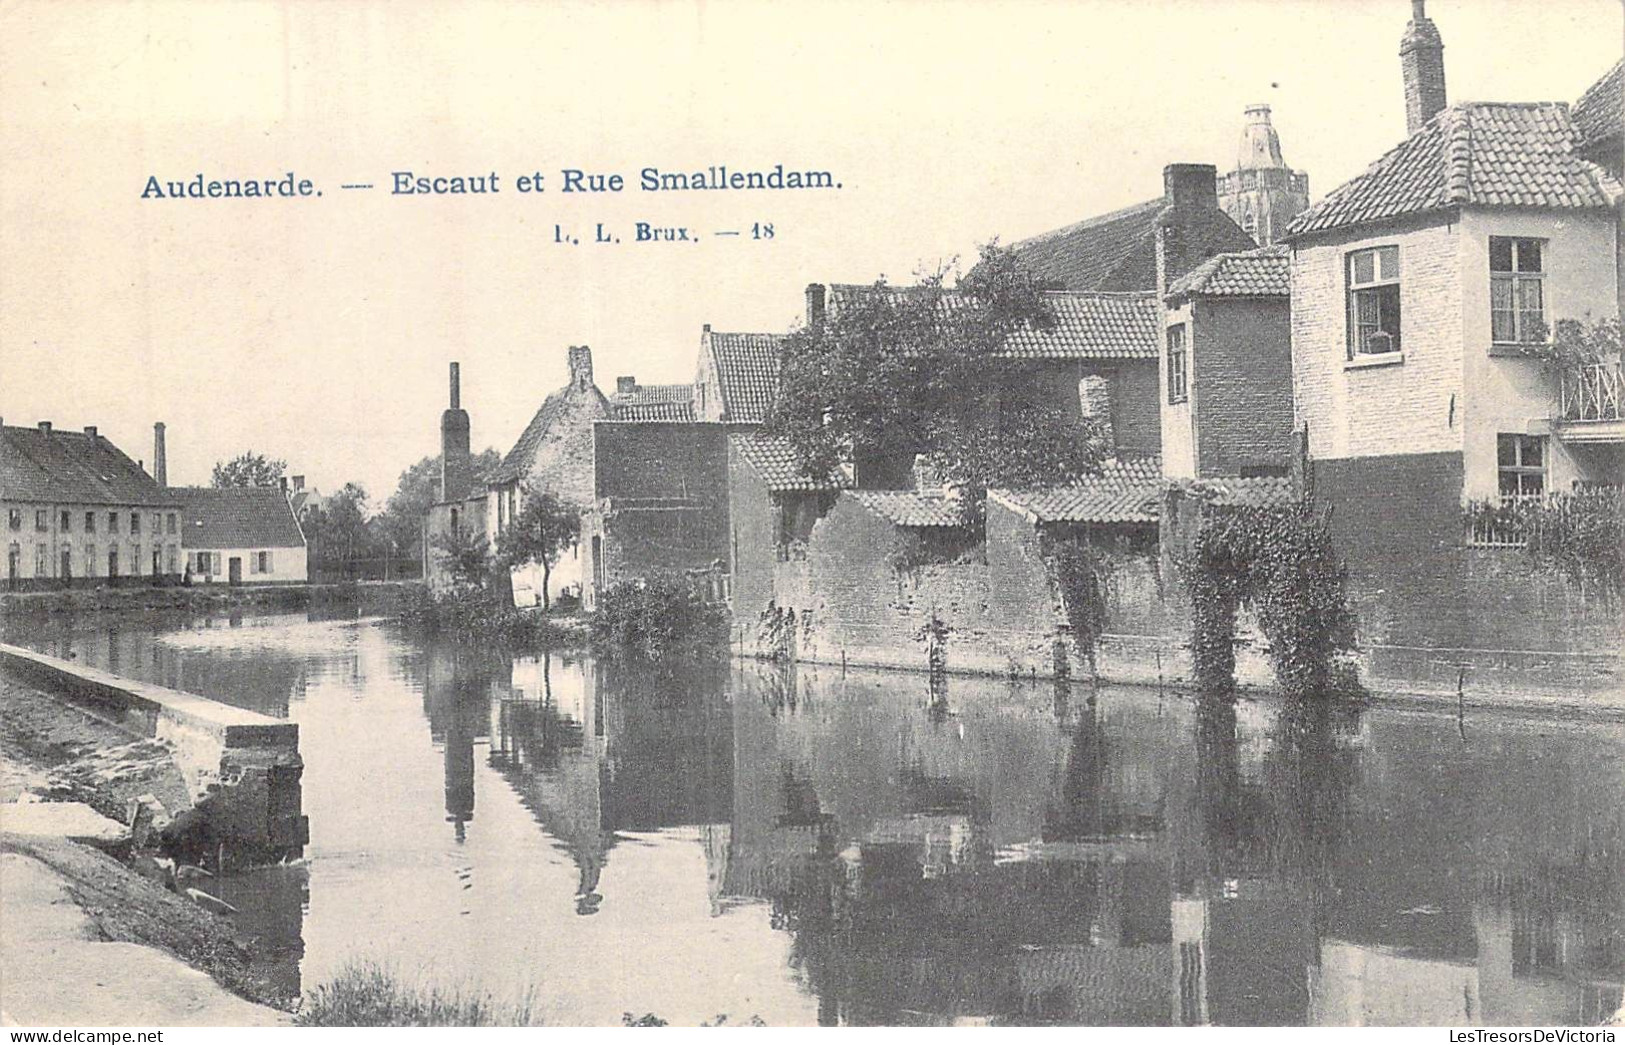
pixel 1081 574
pixel 1578 535
pixel 1281 562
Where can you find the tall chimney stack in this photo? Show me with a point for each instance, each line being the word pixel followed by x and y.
pixel 1421 59
pixel 160 460
pixel 815 307
pixel 455 463
pixel 579 360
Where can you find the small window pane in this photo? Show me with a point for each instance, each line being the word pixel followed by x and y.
pixel 1389 258
pixel 1533 452
pixel 1506 450
pixel 1500 255
pixel 1364 267
pixel 1529 255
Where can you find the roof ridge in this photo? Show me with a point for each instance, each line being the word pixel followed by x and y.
pixel 1099 219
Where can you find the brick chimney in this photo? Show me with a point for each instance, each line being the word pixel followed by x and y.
pixel 90 430
pixel 45 426
pixel 160 458
pixel 1191 228
pixel 580 361
pixel 627 384
pixel 1421 59
pixel 815 307
pixel 455 463
pixel 298 482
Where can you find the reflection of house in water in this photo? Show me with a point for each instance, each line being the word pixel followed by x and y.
pixel 594 749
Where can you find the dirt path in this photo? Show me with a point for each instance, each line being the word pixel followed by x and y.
pixel 87 943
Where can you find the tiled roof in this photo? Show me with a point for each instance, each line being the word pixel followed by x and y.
pixel 1478 154
pixel 1128 490
pixel 1600 112
pixel 653 410
pixel 654 394
pixel 774 460
pixel 72 468
pixel 1115 251
pixel 747 367
pixel 1087 325
pixel 517 464
pixel 908 508
pixel 1265 272
pixel 1255 492
pixel 247 517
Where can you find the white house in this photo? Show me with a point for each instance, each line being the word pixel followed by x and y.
pixel 242 536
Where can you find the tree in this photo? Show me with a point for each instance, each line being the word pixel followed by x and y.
pixel 466 554
pixel 401 521
pixel 901 371
pixel 337 532
pixel 248 469
pixel 543 530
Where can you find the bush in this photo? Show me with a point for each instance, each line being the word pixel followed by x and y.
pixel 656 615
pixel 370 995
pixel 475 613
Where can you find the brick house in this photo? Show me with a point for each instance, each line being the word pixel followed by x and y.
pixel 246 535
pixel 1226 367
pixel 79 512
pixel 1417 289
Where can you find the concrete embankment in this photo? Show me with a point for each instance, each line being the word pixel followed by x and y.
pixel 240 770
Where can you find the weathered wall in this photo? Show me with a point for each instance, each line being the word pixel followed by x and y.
pixel 469 516
pixel 661 502
pixel 1241 382
pixel 751 539
pixel 1136 415
pixel 1356 410
pixel 288 565
pixel 1428 606
pixel 1004 616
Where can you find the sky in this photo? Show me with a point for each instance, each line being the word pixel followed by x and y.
pixel 318 330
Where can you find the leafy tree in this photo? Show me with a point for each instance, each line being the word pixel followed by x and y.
pixel 544 528
pixel 248 469
pixel 337 532
pixel 465 553
pixel 401 521
pixel 900 371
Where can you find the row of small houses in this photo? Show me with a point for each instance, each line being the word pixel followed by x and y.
pixel 1378 343
pixel 79 512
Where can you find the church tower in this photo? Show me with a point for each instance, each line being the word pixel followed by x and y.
pixel 1262 194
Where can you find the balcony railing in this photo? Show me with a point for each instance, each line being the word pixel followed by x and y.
pixel 1592 393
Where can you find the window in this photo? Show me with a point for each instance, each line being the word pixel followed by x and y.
pixel 1178 365
pixel 112 562
pixel 14 518
pixel 112 522
pixel 67 521
pixel 171 558
pixel 90 560
pixel 41 559
pixel 1517 290
pixel 90 522
pixel 171 527
pixel 1521 466
pixel 1373 279
pixel 42 520
pixel 262 562
pixel 135 522
pixel 135 560
pixel 202 563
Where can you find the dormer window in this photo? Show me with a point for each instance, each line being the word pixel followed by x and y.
pixel 1373 302
pixel 1517 290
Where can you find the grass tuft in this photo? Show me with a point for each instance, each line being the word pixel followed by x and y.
pixel 367 994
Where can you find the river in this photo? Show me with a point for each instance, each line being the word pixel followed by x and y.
pixel 811 846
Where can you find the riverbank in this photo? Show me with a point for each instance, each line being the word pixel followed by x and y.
pixel 368 597
pixel 87 942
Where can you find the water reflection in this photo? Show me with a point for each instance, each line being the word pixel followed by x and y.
pixel 860 848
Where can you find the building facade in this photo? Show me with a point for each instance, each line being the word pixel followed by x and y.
pixel 246 535
pixel 79 512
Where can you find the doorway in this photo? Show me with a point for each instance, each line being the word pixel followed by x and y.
pixel 67 567
pixel 234 571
